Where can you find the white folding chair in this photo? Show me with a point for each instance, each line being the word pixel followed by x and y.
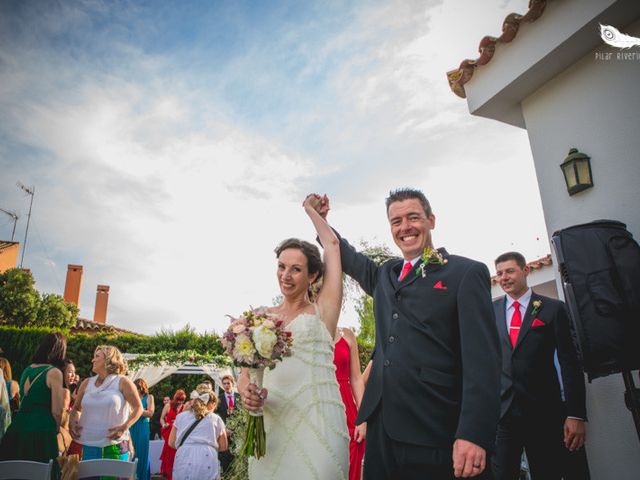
pixel 25 470
pixel 107 467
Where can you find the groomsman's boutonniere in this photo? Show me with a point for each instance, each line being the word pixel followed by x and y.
pixel 536 307
pixel 429 256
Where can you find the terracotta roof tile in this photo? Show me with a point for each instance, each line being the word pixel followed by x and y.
pixel 85 326
pixel 460 76
pixel 6 244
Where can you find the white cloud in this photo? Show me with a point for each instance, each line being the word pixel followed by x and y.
pixel 174 191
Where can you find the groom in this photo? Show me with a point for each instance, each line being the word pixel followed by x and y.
pixel 432 400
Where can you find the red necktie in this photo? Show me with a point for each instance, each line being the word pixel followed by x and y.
pixel 230 397
pixel 405 269
pixel 516 322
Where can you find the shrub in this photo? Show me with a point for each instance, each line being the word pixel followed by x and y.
pixel 19 344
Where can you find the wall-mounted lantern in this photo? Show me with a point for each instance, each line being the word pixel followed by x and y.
pixel 577 171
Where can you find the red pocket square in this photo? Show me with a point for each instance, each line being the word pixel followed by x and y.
pixel 440 286
pixel 538 323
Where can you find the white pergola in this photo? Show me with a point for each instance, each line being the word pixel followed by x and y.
pixel 152 374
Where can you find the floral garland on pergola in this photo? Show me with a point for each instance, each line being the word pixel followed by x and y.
pixel 179 358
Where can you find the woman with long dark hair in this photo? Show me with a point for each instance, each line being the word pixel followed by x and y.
pixel 32 433
pixel 69 378
pixel 304 418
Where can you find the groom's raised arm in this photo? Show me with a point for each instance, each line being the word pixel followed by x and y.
pixel 355 264
pixel 358 266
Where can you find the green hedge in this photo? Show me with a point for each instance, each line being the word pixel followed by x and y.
pixel 19 344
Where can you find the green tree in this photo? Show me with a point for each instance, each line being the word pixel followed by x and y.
pixel 364 309
pixel 22 306
pixel 378 253
pixel 55 312
pixel 19 301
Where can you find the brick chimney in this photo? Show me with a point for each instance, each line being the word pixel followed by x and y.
pixel 73 284
pixel 102 298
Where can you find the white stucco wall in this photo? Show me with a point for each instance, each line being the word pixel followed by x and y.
pixel 566 31
pixel 594 106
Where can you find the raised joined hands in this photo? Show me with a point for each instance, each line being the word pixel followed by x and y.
pixel 318 203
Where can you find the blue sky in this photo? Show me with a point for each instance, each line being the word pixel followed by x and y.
pixel 171 143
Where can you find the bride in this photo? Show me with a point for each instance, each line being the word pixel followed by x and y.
pixel 304 417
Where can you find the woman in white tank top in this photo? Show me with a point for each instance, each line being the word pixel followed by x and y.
pixel 106 407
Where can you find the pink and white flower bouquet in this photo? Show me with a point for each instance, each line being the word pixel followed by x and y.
pixel 256 340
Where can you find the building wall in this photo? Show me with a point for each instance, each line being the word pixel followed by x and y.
pixel 9 257
pixel 595 107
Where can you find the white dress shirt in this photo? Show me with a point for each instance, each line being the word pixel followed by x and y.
pixel 524 303
pixel 413 264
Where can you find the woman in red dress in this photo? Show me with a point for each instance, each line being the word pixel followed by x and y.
pixel 347 362
pixel 167 417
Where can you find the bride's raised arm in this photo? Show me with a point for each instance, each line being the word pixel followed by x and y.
pixel 330 298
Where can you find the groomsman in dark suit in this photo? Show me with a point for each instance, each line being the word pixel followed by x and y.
pixel 533 415
pixel 432 398
pixel 229 400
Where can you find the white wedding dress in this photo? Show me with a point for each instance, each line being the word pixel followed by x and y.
pixel 304 417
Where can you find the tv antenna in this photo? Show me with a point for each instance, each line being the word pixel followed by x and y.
pixel 15 221
pixel 30 191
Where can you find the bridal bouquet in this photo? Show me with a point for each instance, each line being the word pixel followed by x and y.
pixel 256 340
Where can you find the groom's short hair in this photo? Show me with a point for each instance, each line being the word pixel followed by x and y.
pixel 402 194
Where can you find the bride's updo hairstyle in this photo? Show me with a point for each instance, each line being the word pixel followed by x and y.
pixel 203 400
pixel 314 260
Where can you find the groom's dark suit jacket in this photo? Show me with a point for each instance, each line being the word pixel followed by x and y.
pixel 529 379
pixel 436 370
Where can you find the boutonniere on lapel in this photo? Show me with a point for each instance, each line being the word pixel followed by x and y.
pixel 537 304
pixel 430 256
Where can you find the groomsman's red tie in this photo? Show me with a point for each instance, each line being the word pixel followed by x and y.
pixel 406 269
pixel 516 322
pixel 230 397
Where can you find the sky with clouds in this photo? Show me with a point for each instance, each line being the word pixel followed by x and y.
pixel 172 143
